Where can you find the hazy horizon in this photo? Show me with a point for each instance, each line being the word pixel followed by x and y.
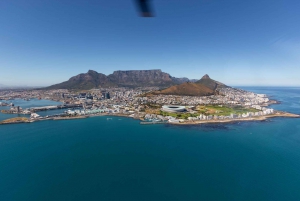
pixel 232 85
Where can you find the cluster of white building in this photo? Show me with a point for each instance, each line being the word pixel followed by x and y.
pixel 226 96
pixel 154 117
pixel 233 116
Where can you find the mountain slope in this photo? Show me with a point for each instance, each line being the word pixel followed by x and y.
pixel 88 80
pixel 186 89
pixel 203 87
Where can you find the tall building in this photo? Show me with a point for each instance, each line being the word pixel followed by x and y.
pixel 105 95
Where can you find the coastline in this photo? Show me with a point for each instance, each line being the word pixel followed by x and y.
pixel 186 122
pixel 259 118
pixel 143 122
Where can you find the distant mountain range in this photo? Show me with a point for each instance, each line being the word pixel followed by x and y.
pixel 2 86
pixel 131 78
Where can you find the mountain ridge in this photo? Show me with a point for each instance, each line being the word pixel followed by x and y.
pixel 129 78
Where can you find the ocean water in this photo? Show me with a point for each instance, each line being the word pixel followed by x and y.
pixel 119 159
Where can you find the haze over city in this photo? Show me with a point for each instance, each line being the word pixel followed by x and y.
pixel 235 42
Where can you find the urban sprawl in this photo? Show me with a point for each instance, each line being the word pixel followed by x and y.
pixel 134 103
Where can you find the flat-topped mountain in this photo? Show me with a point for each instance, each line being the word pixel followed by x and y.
pixel 203 87
pixel 134 78
pixel 130 78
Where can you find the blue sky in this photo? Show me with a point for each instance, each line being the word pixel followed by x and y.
pixel 236 42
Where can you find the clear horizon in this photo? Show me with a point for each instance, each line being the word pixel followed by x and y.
pixel 253 43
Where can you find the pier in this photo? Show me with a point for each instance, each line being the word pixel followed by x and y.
pixel 54 107
pixel 152 122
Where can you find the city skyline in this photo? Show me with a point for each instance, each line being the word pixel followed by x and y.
pixel 237 43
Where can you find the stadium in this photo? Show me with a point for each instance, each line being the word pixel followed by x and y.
pixel 173 108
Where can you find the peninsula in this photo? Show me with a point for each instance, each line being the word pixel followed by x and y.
pixel 151 96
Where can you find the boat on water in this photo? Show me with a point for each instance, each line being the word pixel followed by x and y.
pixel 108 118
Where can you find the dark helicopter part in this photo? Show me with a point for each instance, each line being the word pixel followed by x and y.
pixel 144 8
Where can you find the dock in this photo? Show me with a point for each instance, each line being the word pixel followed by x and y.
pixel 69 118
pixel 152 122
pixel 54 107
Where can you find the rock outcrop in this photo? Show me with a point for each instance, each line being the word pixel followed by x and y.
pixel 210 83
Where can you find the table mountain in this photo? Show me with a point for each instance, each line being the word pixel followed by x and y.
pixel 130 78
pixel 136 78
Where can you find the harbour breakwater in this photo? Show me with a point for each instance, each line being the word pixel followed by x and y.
pixel 55 107
pixel 43 108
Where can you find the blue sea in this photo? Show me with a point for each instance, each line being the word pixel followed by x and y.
pixel 119 159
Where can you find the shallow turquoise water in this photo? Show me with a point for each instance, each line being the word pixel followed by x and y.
pixel 119 159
